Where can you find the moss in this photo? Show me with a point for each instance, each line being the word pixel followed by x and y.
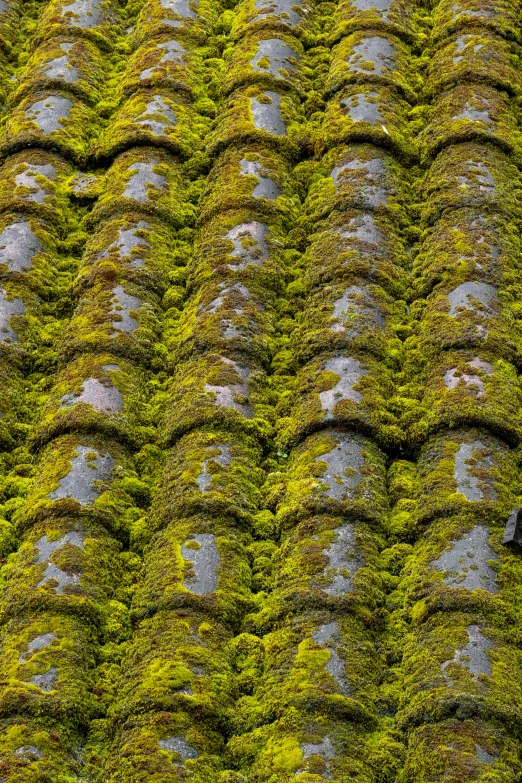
pixel 177 661
pixel 495 475
pixel 193 406
pixel 455 393
pixel 466 242
pixel 169 576
pixel 498 17
pixel 274 753
pixel 125 386
pixel 237 124
pixel 57 762
pixel 136 752
pixel 156 187
pixel 310 572
pixel 449 749
pixel 248 18
pixel 292 73
pixel 154 118
pixel 437 684
pixel 492 120
pixel 156 20
pixel 384 121
pixel 471 175
pixel 212 472
pixel 107 502
pixel 82 56
pixel 94 571
pixel 149 263
pixel 359 327
pixel 301 492
pixel 42 196
pixel 399 18
pixel 228 187
pixel 70 653
pixel 71 136
pixel 349 66
pixel 483 58
pixel 181 72
pixel 368 178
pixel 95 325
pixel 325 397
pixel 59 20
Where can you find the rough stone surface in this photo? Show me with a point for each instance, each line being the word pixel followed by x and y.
pixel 174 53
pixel 466 462
pixel 205 561
pixel 29 179
pixel 363 107
pixel 122 304
pixel 473 381
pixel 83 13
pixel 375 51
pixel 102 396
pixel 349 305
pixel 343 560
pixel 324 749
pixel 48 114
pixel 483 756
pixel 473 656
pixel 326 636
pixel 143 178
pixel 267 116
pixel 29 753
pixel 181 746
pixel 343 471
pixel 158 117
pixel 8 308
pixel 52 572
pixel 46 547
pixel 227 395
pixel 222 458
pixel 266 187
pixel 461 298
pixel 284 9
pixel 350 371
pixel 18 245
pixel 61 69
pixel 249 244
pixel 46 681
pixel 466 564
pixel 282 58
pixel 235 288
pixel 37 644
pixel 372 190
pixel 129 240
pixel 462 42
pixel 470 112
pixel 88 467
pixel 180 7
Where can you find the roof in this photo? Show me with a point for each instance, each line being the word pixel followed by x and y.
pixel 260 410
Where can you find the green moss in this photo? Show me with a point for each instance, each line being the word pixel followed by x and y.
pixel 134 123
pixel 348 66
pixel 448 123
pixel 169 576
pixel 390 130
pixel 82 55
pixel 70 139
pixel 237 126
pixel 400 18
pixel 484 58
pixel 240 71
